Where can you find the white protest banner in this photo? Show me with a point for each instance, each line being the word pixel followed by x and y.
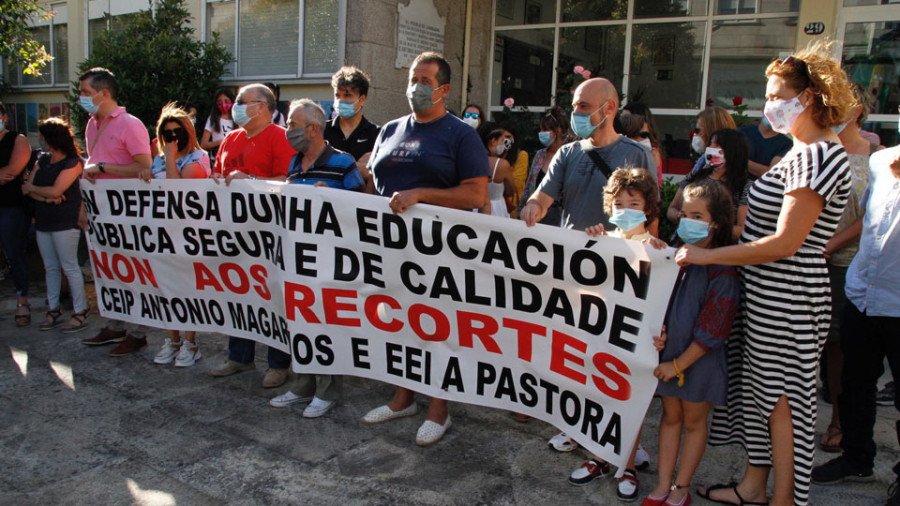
pixel 467 307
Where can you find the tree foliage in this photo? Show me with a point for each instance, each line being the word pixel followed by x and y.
pixel 156 61
pixel 17 44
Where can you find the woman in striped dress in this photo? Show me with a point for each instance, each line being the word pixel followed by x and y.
pixel 785 310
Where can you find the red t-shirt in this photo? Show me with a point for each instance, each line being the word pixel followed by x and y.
pixel 267 154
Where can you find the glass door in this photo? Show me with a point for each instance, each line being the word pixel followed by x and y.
pixel 870 53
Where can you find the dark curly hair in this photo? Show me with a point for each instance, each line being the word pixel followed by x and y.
pixel 634 180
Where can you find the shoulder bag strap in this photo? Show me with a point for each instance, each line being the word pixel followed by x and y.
pixel 599 162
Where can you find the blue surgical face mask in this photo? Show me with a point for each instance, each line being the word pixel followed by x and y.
pixel 837 129
pixel 627 218
pixel 692 231
pixel 239 114
pixel 581 123
pixel 546 138
pixel 765 121
pixel 2 126
pixel 87 103
pixel 345 109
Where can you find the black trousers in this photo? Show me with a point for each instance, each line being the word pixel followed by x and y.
pixel 865 341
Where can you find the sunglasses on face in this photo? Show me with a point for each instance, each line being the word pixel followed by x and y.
pixel 171 134
pixel 644 135
pixel 475 115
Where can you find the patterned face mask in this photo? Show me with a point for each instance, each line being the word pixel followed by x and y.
pixel 782 114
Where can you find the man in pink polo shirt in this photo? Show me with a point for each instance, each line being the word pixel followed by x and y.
pixel 118 146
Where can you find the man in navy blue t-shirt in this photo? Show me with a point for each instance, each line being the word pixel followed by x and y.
pixel 432 157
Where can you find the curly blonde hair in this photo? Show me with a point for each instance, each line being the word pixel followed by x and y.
pixel 814 68
pixel 634 180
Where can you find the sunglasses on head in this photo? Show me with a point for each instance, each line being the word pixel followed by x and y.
pixel 468 114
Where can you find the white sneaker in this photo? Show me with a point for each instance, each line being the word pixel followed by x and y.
pixel 641 458
pixel 562 443
pixel 317 408
pixel 188 355
pixel 167 354
pixel 286 399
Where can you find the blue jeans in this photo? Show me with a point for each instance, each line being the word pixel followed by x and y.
pixel 243 351
pixel 14 223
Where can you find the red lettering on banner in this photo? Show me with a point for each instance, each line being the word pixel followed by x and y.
pixel 485 332
pixel 204 278
pixel 525 332
pixel 371 309
pixel 292 304
pixel 441 323
pixel 126 269
pixel 259 274
pixel 559 356
pixel 225 271
pixel 613 368
pixel 332 306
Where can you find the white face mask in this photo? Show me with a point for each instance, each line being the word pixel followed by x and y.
pixel 782 114
pixel 647 143
pixel 472 122
pixel 698 145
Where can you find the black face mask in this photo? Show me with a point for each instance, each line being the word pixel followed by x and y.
pixel 179 134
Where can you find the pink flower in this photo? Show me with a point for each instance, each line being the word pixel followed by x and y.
pixel 578 69
pixel 509 102
pixel 586 74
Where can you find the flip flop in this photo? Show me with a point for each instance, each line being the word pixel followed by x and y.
pixel 731 486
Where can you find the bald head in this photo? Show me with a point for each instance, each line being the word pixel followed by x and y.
pixel 598 90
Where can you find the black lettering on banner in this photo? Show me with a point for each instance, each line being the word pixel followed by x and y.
pixel 640 281
pixel 323 346
pixel 613 433
pixel 453 376
pixel 90 201
pixel 528 397
pixel 576 267
pixel 558 305
pixel 590 423
pixel 549 390
pixel 346 264
pixel 359 347
pixel 418 237
pixel 567 399
pixel 303 356
pixel 393 229
pixel 366 227
pixel 117 300
pixel 454 245
pixel 471 285
pixel 486 375
pixel 394 355
pixel 518 288
pixel 372 269
pixel 619 326
pixel 303 261
pixel 596 325
pixel 505 386
pixel 522 256
pixel 497 249
pixel 444 284
pixel 405 278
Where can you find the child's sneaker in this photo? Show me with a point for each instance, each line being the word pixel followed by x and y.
pixel 562 443
pixel 588 472
pixel 188 356
pixel 168 352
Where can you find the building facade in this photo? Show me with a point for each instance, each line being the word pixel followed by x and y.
pixel 677 56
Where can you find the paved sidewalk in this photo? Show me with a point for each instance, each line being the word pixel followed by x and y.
pixel 80 427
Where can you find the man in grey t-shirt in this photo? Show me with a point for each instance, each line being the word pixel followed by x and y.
pixel 573 177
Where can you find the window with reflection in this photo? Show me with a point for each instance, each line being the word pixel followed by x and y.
pixel 756 6
pixel 523 67
pixel 870 57
pixel 525 12
pixel 594 50
pixel 53 35
pixel 593 10
pixel 739 54
pixel 667 64
pixel 669 8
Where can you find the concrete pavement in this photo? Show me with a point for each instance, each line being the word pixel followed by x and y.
pixel 80 427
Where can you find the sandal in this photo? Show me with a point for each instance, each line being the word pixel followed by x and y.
pixel 831 440
pixel 53 319
pixel 23 320
pixel 706 494
pixel 79 317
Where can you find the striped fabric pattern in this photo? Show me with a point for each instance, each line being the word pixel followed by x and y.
pixel 785 314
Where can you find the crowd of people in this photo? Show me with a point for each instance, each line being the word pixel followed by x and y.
pixel 785 244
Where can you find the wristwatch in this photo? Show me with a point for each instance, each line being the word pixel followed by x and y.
pixel 100 166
